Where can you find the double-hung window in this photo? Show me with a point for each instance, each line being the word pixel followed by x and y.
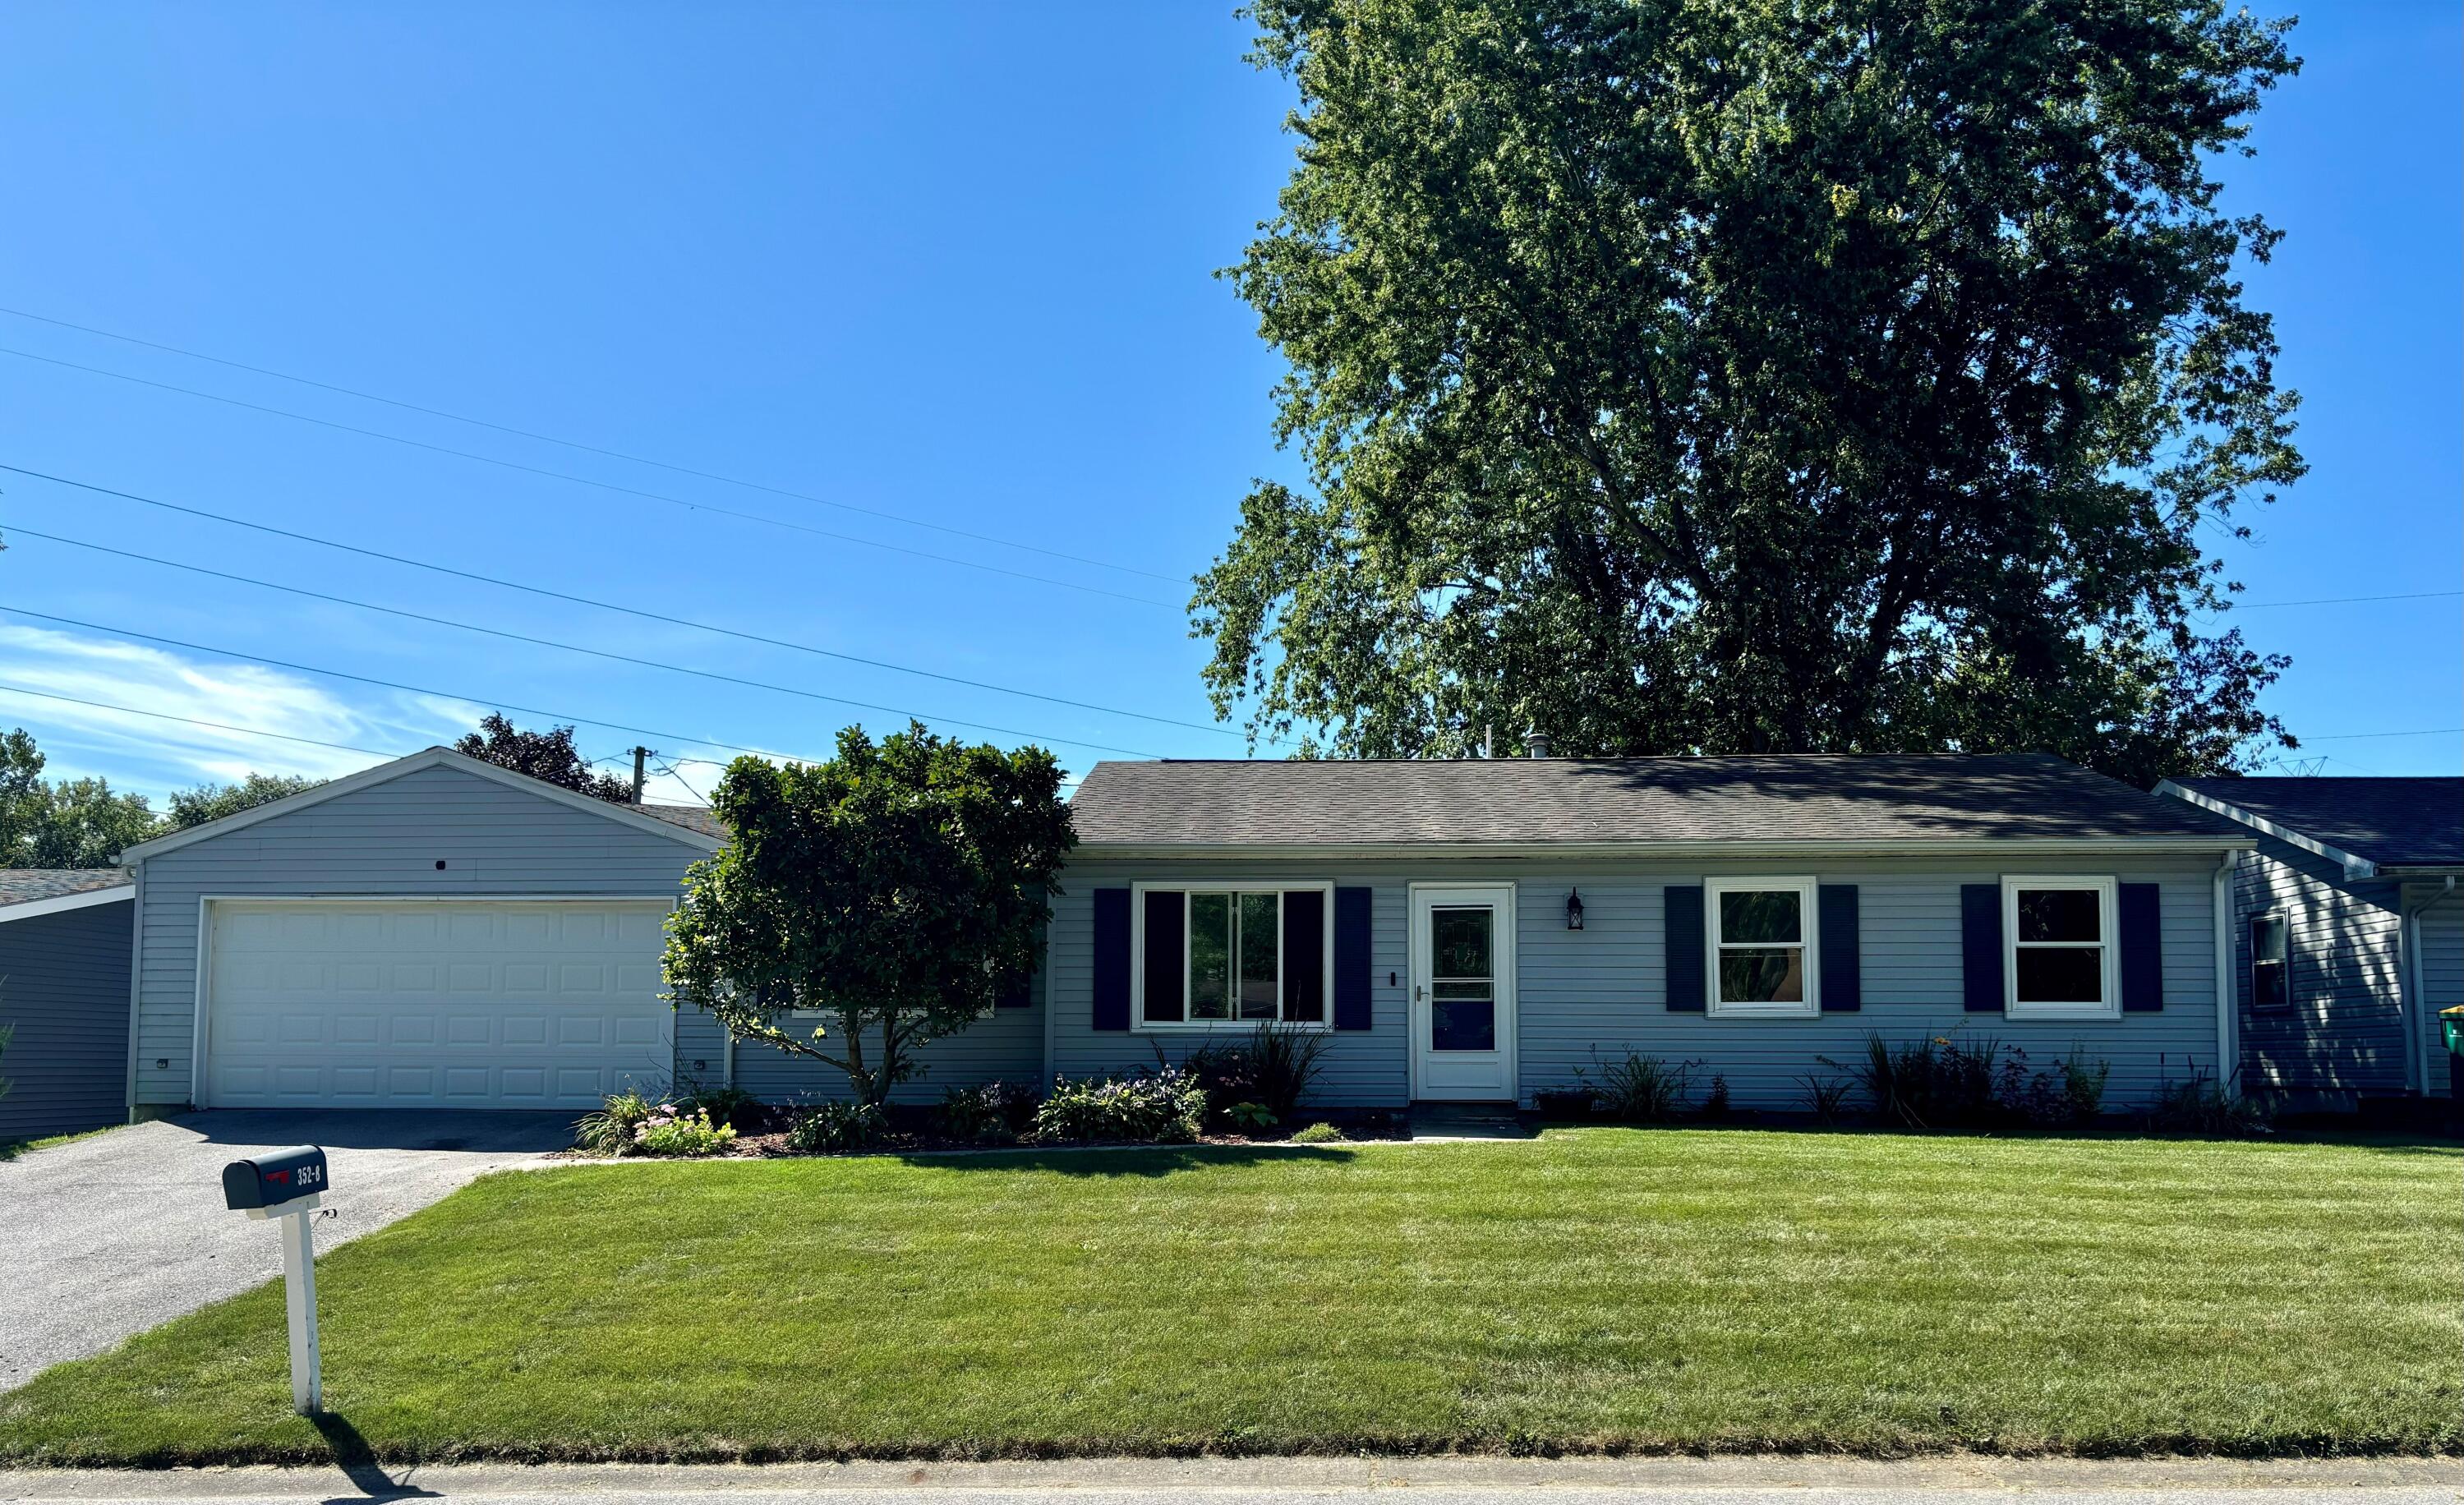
pixel 2270 970
pixel 1761 937
pixel 2058 949
pixel 1229 954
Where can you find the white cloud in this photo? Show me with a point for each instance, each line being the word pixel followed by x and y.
pixel 153 755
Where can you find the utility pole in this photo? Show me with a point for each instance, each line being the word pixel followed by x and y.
pixel 639 754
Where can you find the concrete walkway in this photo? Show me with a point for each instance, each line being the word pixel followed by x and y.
pixel 1457 1481
pixel 110 1235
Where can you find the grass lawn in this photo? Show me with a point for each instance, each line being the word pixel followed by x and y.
pixel 1602 1289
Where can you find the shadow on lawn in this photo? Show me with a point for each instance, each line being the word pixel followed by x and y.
pixel 358 1462
pixel 1131 1160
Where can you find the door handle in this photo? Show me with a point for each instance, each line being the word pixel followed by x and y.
pixel 1418 993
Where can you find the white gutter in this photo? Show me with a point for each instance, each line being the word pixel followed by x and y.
pixel 2228 984
pixel 62 904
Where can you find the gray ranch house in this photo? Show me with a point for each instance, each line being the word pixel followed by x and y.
pixel 65 951
pixel 439 931
pixel 2348 934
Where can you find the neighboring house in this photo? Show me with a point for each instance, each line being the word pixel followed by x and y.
pixel 64 957
pixel 441 931
pixel 2348 934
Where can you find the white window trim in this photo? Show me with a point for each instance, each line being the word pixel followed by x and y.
pixel 2108 942
pixel 1810 933
pixel 1140 1024
pixel 2250 938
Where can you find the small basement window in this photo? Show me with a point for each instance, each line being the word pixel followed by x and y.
pixel 1213 955
pixel 1761 939
pixel 2269 975
pixel 2059 951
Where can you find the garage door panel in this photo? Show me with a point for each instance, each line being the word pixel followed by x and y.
pixel 524 1004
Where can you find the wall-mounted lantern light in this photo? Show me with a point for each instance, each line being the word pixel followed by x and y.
pixel 1573 908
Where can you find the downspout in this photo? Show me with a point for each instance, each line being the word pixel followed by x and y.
pixel 2228 991
pixel 2416 1044
pixel 136 974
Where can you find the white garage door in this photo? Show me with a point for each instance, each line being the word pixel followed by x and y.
pixel 478 1004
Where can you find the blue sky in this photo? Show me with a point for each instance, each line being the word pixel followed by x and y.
pixel 947 264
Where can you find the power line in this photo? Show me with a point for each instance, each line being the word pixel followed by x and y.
pixel 583 480
pixel 2357 737
pixel 597 653
pixel 2341 600
pixel 605 606
pixel 218 726
pixel 387 683
pixel 588 449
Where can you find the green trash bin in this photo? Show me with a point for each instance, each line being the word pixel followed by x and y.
pixel 2451 1029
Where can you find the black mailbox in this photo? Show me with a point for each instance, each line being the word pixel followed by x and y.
pixel 274 1178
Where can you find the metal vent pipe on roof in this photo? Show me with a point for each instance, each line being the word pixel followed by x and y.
pixel 1536 743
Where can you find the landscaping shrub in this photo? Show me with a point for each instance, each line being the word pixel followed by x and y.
pixel 1250 1116
pixel 1167 1106
pixel 2201 1106
pixel 1715 1102
pixel 832 1128
pixel 996 1113
pixel 730 1105
pixel 1284 1060
pixel 1318 1134
pixel 1639 1089
pixel 610 1131
pixel 673 1131
pixel 1826 1100
pixel 1948 1081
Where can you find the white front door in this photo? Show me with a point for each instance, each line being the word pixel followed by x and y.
pixel 1462 992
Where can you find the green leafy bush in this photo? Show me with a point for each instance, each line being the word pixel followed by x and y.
pixel 1318 1134
pixel 1167 1106
pixel 1639 1089
pixel 835 1128
pixel 1250 1116
pixel 730 1105
pixel 610 1131
pixel 673 1131
pixel 1272 1066
pixel 996 1113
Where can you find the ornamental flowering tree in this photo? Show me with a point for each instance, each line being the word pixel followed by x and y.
pixel 894 892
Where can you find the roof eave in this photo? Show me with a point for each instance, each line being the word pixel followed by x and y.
pixel 2355 865
pixel 1963 846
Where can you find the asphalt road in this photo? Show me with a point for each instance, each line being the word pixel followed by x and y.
pixel 1453 1481
pixel 110 1235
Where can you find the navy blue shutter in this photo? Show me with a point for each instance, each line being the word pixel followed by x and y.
pixel 1980 947
pixel 1166 984
pixel 1352 959
pixel 1303 953
pixel 1843 987
pixel 1112 1010
pixel 2141 928
pixel 1682 938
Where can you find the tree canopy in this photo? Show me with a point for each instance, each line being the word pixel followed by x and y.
pixel 549 756
pixel 895 891
pixel 1705 376
pixel 69 822
pixel 193 807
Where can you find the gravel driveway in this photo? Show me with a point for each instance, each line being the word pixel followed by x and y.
pixel 110 1235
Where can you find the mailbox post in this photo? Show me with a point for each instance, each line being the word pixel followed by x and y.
pixel 288 1186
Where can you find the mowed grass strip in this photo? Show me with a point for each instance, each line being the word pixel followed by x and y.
pixel 1602 1289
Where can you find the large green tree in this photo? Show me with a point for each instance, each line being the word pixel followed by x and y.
pixel 892 893
pixel 1758 375
pixel 194 807
pixel 70 822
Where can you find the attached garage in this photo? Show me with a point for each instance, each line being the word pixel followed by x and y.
pixel 435 933
pixel 481 1003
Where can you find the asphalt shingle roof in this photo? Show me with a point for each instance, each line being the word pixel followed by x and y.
pixel 1524 801
pixel 2397 822
pixel 692 818
pixel 26 884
